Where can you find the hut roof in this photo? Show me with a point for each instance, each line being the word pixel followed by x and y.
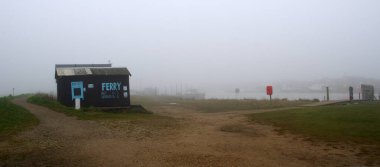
pixel 91 69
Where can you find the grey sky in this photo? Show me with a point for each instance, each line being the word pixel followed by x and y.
pixel 197 42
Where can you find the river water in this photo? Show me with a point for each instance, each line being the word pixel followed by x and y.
pixel 280 95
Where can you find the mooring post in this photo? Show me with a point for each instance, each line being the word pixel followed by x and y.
pixel 351 92
pixel 327 94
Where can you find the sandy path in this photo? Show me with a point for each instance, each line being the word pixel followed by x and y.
pixel 58 139
pixel 202 139
pixel 246 144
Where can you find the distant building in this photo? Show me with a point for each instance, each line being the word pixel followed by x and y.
pixel 193 94
pixel 368 92
pixel 99 85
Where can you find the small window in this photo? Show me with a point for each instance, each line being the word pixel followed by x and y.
pixel 77 92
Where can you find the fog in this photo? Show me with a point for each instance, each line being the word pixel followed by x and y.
pixel 204 44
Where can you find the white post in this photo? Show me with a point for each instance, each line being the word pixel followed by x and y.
pixel 77 103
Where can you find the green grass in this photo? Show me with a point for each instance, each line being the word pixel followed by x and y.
pixel 127 120
pixel 351 122
pixel 14 118
pixel 89 113
pixel 217 105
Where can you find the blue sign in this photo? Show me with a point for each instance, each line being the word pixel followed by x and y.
pixel 110 90
pixel 77 90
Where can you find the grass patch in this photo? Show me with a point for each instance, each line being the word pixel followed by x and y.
pixel 217 105
pixel 134 122
pixel 89 113
pixel 350 122
pixel 92 113
pixel 14 118
pixel 240 128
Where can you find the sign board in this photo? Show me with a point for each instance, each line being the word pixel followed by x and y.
pixel 111 90
pixel 269 90
pixel 90 86
pixel 77 90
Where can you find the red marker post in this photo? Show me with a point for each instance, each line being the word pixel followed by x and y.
pixel 270 92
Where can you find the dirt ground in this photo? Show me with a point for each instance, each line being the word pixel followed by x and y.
pixel 197 139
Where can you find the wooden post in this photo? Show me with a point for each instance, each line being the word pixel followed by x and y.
pixel 351 92
pixel 327 94
pixel 77 103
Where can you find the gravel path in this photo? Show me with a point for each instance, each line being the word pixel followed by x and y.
pixel 201 139
pixel 58 139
